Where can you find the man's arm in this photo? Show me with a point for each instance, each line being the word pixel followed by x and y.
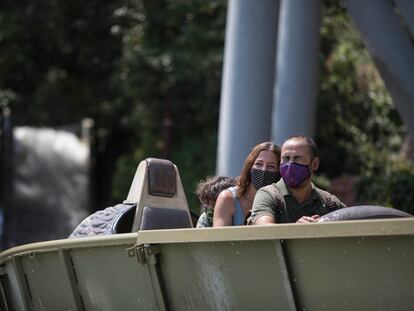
pixel 265 220
pixel 263 212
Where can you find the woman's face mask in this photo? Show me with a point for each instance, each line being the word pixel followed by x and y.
pixel 294 174
pixel 261 178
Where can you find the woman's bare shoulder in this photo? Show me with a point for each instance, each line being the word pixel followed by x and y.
pixel 225 198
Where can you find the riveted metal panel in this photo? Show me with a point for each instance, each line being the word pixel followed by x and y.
pixel 225 276
pixel 47 283
pixel 110 279
pixel 355 273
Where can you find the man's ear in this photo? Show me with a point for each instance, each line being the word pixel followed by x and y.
pixel 315 164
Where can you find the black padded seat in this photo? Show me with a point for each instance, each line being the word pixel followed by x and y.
pixel 160 197
pixel 164 218
pixel 156 200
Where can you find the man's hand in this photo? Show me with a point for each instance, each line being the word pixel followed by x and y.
pixel 307 219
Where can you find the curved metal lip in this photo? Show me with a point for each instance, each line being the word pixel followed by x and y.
pixel 65 244
pixel 339 229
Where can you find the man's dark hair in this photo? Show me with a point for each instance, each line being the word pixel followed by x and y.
pixel 308 141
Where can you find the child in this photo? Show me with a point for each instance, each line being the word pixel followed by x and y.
pixel 207 192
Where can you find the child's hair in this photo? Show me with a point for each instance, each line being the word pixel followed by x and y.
pixel 209 189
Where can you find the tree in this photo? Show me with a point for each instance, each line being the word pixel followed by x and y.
pixel 171 71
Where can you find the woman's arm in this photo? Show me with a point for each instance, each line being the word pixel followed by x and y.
pixel 224 210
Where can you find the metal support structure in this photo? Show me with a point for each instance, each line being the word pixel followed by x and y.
pixel 296 87
pixel 4 286
pixel 21 286
pixel 391 50
pixel 248 74
pixel 406 10
pixel 286 278
pixel 146 255
pixel 6 178
pixel 72 280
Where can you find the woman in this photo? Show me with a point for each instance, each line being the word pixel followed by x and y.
pixel 261 168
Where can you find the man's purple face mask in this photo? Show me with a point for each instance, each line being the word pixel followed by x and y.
pixel 294 174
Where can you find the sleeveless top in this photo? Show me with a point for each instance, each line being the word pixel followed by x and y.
pixel 238 218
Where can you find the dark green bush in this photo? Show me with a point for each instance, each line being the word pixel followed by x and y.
pixel 393 189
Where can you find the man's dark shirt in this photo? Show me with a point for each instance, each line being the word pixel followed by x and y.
pixel 277 201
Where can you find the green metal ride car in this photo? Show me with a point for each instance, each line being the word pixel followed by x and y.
pixel 344 262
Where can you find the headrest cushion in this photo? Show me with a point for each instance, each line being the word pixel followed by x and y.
pixel 161 177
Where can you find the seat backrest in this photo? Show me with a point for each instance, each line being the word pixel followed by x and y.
pixel 163 218
pixel 159 196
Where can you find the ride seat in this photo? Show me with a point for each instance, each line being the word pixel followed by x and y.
pixel 159 197
pixel 156 200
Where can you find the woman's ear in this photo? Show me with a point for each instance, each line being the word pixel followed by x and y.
pixel 315 164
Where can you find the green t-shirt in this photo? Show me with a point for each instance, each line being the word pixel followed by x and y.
pixel 203 221
pixel 277 201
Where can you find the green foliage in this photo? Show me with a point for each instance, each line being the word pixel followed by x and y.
pixel 321 181
pixel 171 72
pixel 358 126
pixel 126 167
pixel 196 158
pixel 149 73
pixel 359 130
pixel 393 189
pixel 52 55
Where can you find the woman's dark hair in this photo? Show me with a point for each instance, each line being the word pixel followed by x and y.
pixel 244 179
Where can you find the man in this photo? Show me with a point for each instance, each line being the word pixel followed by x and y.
pixel 294 198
